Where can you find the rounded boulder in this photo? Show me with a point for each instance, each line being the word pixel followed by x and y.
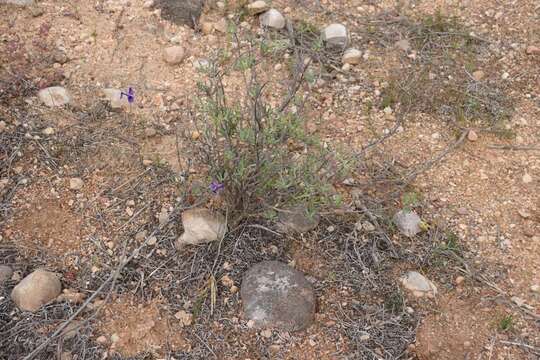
pixel 275 295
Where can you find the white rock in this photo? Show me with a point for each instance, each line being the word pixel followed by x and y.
pixel 48 131
pixel 54 96
pixel 201 64
pixel 408 222
pixel 201 226
pixel 335 35
pixel 257 7
pixel 76 183
pixel 418 284
pixel 115 98
pixel 273 19
pixel 527 178
pixel 352 56
pixel 35 290
pixel 174 55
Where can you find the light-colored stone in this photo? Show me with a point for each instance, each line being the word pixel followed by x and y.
pixel 527 178
pixel 201 226
pixel 418 284
pixel 257 7
pixel 185 318
pixel 272 19
pixel 48 131
pixel 408 222
pixel 5 273
pixel 275 295
pixel 54 96
pixel 297 220
pixel 221 26
pixel 115 98
pixel 174 55
pixel 36 290
pixel 76 183
pixel 207 27
pixel 352 56
pixel 533 50
pixel 472 135
pixel 403 45
pixel 335 35
pixel 201 64
pixel 478 75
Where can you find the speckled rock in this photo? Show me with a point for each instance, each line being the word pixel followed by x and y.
pixel 408 222
pixel 275 295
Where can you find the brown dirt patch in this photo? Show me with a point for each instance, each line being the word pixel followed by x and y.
pixel 139 327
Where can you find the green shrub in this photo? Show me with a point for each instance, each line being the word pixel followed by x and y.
pixel 262 154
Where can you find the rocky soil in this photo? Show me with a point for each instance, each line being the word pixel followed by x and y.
pixel 114 244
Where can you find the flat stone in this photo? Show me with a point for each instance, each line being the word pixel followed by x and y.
pixel 275 295
pixel 418 284
pixel 54 96
pixel 201 226
pixel 335 35
pixel 36 290
pixel 472 135
pixel 352 56
pixel 272 19
pixel 297 220
pixel 257 7
pixel 115 98
pixel 5 273
pixel 408 222
pixel 221 26
pixel 76 183
pixel 174 55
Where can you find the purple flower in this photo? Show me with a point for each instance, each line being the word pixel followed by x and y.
pixel 216 187
pixel 130 95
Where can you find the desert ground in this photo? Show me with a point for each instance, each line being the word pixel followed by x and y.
pixel 383 154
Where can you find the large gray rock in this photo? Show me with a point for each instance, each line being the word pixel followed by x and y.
pixel 5 273
pixel 201 226
pixel 335 35
pixel 54 96
pixel 277 296
pixel 408 222
pixel 418 284
pixel 297 220
pixel 36 290
pixel 272 19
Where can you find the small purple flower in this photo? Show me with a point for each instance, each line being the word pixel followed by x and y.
pixel 130 95
pixel 216 187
